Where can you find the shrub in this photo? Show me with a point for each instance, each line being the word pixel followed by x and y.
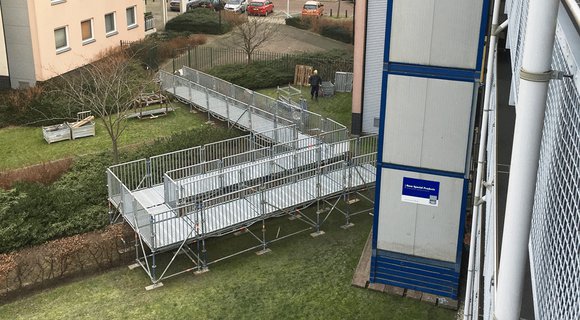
pixel 299 22
pixel 64 258
pixel 154 51
pixel 338 29
pixel 32 213
pixel 336 33
pixel 44 173
pixel 199 20
pixel 257 75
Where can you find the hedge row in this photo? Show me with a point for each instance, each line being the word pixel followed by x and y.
pixel 341 30
pixel 32 213
pixel 64 258
pixel 199 20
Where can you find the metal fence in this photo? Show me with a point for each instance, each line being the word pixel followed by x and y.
pixel 554 245
pixel 205 58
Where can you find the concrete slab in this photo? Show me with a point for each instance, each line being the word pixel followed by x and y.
pixel 154 286
pixel 348 225
pixel 377 287
pixel 261 252
pixel 429 298
pixel 316 234
pixel 414 294
pixel 397 291
pixel 447 303
pixel 201 271
pixel 134 266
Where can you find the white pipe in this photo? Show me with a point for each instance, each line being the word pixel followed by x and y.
pixel 480 164
pixel 183 6
pixel 164 13
pixel 537 57
pixel 574 9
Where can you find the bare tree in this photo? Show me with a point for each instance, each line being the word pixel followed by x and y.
pixel 249 34
pixel 107 87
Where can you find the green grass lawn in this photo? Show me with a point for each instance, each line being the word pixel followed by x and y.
pixel 302 278
pixel 23 146
pixel 337 107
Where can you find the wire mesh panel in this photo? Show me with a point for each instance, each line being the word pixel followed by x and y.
pixel 555 234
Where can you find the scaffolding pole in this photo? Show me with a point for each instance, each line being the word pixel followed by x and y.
pixel 535 75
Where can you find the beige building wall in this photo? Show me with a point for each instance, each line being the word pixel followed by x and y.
pixel 3 55
pixel 47 15
pixel 358 67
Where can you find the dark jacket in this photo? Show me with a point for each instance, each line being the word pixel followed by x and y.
pixel 315 80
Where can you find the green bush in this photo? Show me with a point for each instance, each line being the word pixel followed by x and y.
pixel 257 75
pixel 32 213
pixel 336 33
pixel 299 22
pixel 199 20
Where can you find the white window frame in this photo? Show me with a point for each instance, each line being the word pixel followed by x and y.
pixel 135 24
pixel 114 31
pixel 92 38
pixel 66 47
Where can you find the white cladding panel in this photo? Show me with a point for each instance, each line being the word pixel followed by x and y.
pixel 427 122
pixel 419 230
pixel 374 54
pixel 441 33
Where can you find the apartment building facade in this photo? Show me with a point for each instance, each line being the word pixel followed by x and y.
pixel 45 38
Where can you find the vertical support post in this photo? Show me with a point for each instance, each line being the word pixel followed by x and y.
pixel 190 91
pixel 207 103
pixel 136 247
pixel 228 112
pixel 148 173
pixel 536 63
pixel 203 249
pixel 189 56
pixel 250 116
pixel 476 211
pixel 153 263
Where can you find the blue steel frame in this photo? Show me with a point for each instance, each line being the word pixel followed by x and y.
pixel 440 272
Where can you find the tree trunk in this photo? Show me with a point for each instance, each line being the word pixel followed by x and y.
pixel 115 150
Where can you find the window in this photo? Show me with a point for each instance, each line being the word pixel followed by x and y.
pixel 87 31
pixel 61 39
pixel 110 27
pixel 131 18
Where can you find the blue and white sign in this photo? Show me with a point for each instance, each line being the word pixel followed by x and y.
pixel 424 192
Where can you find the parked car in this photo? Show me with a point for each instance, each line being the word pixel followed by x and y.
pixel 175 5
pixel 313 8
pixel 192 4
pixel 237 6
pixel 211 4
pixel 260 7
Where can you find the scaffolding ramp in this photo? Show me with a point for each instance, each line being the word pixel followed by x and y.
pixel 291 159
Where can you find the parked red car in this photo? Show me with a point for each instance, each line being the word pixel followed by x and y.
pixel 260 7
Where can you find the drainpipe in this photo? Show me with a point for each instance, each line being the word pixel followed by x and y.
pixel 472 295
pixel 535 75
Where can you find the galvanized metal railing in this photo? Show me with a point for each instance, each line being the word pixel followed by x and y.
pixel 555 228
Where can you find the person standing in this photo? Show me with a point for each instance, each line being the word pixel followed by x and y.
pixel 315 81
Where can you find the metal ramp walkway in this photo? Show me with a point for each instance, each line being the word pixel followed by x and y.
pixel 291 159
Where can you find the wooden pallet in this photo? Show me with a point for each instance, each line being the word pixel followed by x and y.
pixel 301 74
